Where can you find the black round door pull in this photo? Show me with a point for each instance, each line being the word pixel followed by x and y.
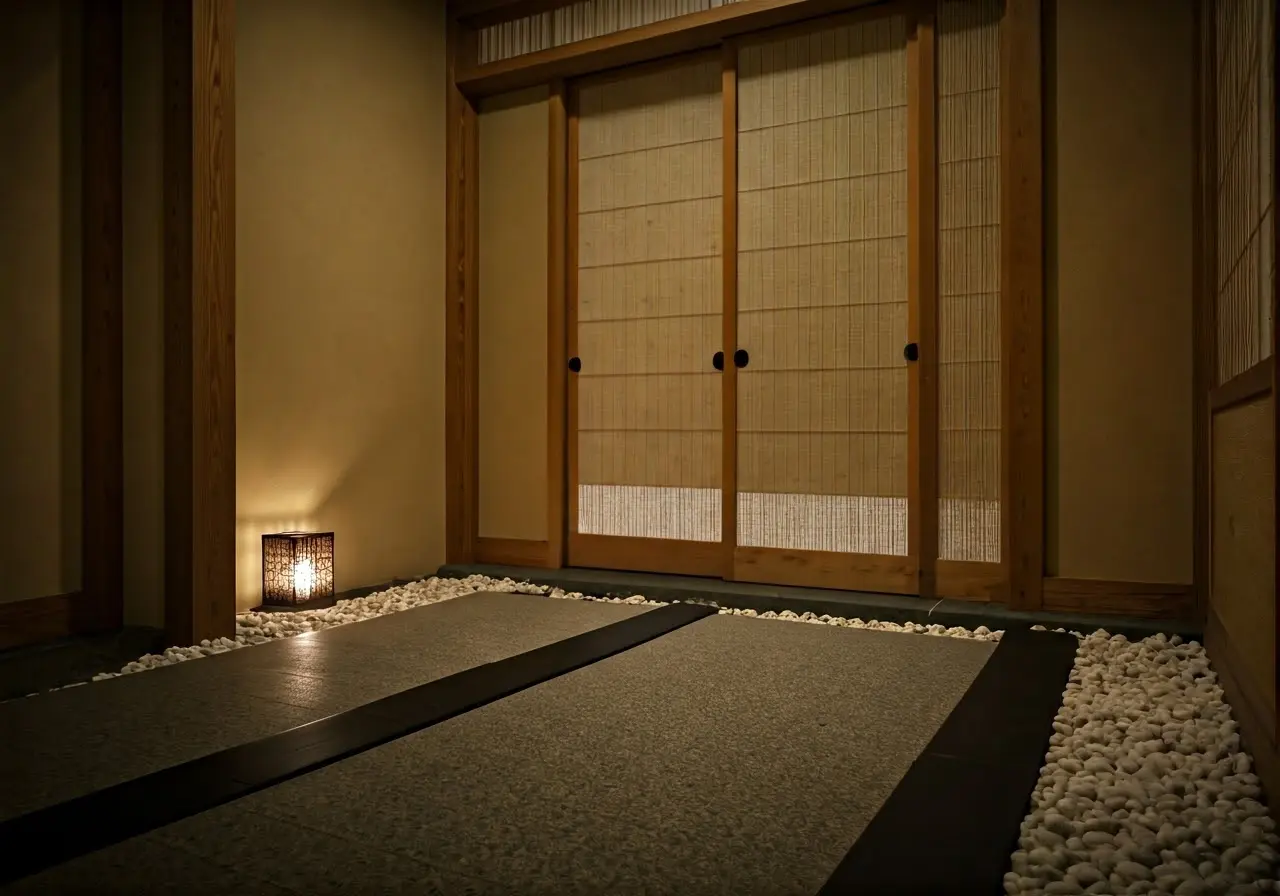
pixel 575 364
pixel 911 352
pixel 741 358
pixel 717 360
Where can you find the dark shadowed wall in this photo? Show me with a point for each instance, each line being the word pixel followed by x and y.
pixel 39 299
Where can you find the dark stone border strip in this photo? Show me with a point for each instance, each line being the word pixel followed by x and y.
pixel 952 823
pixel 863 605
pixel 48 837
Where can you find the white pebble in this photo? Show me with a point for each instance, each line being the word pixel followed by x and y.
pixel 1145 757
pixel 260 628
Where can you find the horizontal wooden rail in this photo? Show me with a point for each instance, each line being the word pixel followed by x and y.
pixel 680 34
pixel 1254 382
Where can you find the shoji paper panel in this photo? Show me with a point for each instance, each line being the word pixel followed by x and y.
pixel 1245 136
pixel 822 290
pixel 968 71
pixel 649 304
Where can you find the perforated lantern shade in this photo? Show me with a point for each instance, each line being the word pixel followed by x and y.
pixel 297 568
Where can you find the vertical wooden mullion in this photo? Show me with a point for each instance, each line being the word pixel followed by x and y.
pixel 462 446
pixel 1204 260
pixel 1270 42
pixel 467 53
pixel 922 308
pixel 557 433
pixel 1210 306
pixel 729 310
pixel 571 311
pixel 1022 302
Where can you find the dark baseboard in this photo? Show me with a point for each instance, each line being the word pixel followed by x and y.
pixel 513 552
pixel 24 623
pixel 1138 600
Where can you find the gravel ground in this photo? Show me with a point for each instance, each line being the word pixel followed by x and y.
pixel 1145 788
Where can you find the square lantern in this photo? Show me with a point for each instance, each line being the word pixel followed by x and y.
pixel 297 569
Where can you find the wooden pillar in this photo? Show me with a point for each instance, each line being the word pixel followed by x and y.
pixel 1022 300
pixel 462 332
pixel 102 322
pixel 199 319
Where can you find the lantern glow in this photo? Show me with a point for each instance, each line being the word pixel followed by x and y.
pixel 297 569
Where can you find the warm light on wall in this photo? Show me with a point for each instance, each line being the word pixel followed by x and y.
pixel 297 568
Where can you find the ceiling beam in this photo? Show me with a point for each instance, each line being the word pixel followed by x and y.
pixel 681 34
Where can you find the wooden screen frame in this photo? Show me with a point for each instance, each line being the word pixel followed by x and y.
pixel 1259 718
pixel 660 555
pixel 912 572
pixel 729 306
pixel 1018 577
pixel 1022 331
pixel 549 552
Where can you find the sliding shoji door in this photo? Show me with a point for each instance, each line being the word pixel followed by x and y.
pixel 969 343
pixel 645 319
pixel 826 475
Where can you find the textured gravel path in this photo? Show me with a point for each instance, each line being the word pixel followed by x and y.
pixel 1145 788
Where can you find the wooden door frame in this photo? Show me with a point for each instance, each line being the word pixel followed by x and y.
pixel 462 336
pixel 1018 577
pixel 911 573
pixel 729 306
pixel 658 555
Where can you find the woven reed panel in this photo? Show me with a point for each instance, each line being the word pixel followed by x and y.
pixel 1244 560
pixel 822 276
pixel 649 287
pixel 580 21
pixel 968 71
pixel 1245 144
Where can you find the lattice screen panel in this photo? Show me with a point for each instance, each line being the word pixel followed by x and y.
pixel 650 202
pixel 580 21
pixel 822 290
pixel 1245 143
pixel 968 71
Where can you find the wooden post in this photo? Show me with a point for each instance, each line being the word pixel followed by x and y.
pixel 199 319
